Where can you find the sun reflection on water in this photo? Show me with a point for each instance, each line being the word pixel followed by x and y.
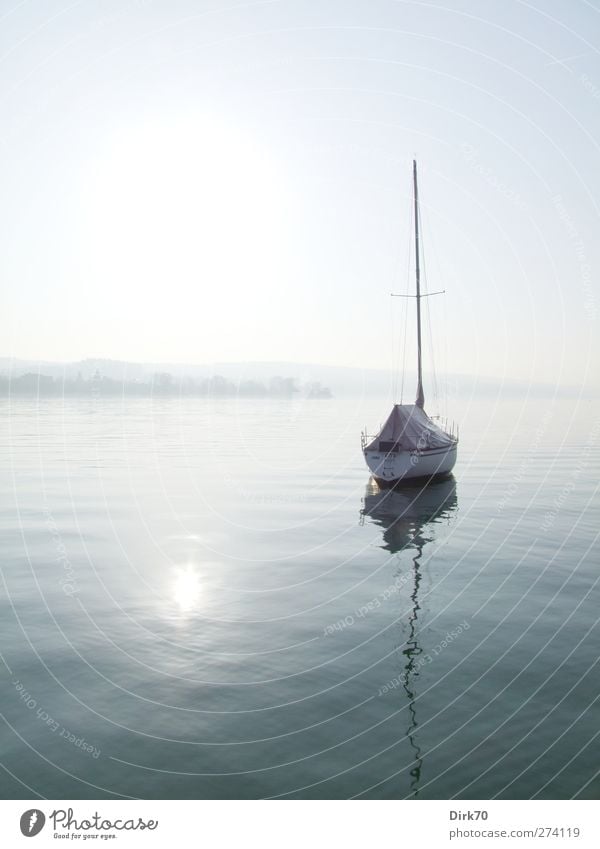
pixel 186 588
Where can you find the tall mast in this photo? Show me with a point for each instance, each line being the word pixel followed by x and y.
pixel 420 400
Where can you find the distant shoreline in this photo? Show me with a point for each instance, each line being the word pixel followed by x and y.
pixel 255 379
pixel 162 384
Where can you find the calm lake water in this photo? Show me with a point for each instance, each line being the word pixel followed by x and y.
pixel 208 599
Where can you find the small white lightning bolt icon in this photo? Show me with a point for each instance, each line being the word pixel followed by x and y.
pixel 32 820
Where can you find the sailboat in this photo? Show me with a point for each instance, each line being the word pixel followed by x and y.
pixel 410 444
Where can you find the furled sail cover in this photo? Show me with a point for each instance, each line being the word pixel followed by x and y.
pixel 408 428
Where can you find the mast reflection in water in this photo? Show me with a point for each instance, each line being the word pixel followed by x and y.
pixel 408 516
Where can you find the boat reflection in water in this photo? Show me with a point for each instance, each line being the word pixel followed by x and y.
pixel 408 516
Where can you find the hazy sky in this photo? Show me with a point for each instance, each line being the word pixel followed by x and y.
pixel 191 181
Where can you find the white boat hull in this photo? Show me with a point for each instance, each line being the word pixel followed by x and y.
pixel 405 465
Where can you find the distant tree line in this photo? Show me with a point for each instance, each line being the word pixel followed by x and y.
pixel 161 384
